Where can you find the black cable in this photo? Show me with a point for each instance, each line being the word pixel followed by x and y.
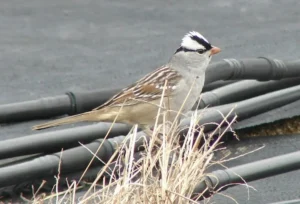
pixel 25 188
pixel 248 172
pixel 29 110
pixel 217 84
pixel 247 108
pixel 86 101
pixel 70 103
pixel 262 69
pixel 70 160
pixel 54 141
pixel 243 90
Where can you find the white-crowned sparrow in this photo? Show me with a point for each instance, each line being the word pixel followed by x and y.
pixel 139 103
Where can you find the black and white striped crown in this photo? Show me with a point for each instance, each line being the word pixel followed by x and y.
pixel 194 41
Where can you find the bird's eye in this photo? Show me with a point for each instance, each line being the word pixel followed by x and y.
pixel 201 51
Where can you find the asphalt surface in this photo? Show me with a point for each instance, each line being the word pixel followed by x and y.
pixel 50 47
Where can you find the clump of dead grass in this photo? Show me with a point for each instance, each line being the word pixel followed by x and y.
pixel 167 171
pixel 281 127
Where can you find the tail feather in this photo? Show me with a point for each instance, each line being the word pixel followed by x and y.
pixel 88 116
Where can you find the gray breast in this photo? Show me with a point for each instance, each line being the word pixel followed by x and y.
pixel 188 92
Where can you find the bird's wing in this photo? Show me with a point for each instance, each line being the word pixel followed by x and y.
pixel 146 89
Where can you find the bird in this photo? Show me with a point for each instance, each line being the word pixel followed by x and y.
pixel 139 103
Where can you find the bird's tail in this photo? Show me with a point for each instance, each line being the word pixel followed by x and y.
pixel 88 116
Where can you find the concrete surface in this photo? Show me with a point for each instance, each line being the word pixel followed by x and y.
pixel 50 47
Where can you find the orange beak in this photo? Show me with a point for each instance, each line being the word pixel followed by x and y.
pixel 215 50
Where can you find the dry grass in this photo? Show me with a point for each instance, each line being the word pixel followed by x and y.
pixel 167 171
pixel 280 127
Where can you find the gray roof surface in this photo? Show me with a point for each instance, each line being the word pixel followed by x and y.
pixel 50 47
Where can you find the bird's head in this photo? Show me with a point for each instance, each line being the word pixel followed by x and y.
pixel 195 47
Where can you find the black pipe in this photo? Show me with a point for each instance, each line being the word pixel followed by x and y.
pixel 247 108
pixel 18 159
pixel 262 69
pixel 48 165
pixel 248 172
pixel 70 103
pixel 65 179
pixel 217 84
pixel 78 102
pixel 72 160
pixel 243 90
pixel 29 110
pixel 54 141
pixel 86 101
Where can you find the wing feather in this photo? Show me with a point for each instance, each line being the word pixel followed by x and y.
pixel 148 88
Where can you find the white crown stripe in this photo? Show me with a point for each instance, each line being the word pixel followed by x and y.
pixel 189 43
pixel 195 33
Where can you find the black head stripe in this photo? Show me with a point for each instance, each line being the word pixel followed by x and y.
pixel 201 42
pixel 179 49
pixel 184 50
